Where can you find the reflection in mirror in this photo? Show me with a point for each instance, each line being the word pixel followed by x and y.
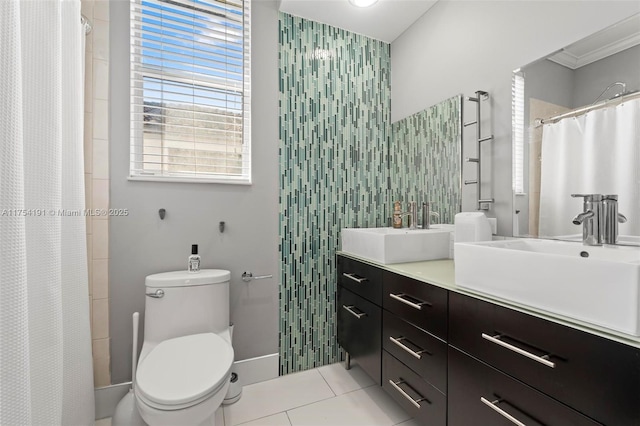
pixel 576 130
pixel 425 159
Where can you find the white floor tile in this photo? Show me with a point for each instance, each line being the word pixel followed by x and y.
pixel 342 381
pixel 277 395
pixel 104 422
pixel 365 407
pixel 280 419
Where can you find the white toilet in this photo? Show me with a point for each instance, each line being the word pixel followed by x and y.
pixel 185 363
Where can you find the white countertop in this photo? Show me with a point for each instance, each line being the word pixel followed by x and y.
pixel 441 273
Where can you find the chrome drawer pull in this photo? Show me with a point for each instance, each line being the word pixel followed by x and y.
pixel 400 297
pixel 494 406
pixel 541 359
pixel 415 402
pixel 355 278
pixel 398 341
pixel 354 313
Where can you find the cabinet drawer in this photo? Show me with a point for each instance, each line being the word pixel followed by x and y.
pixel 421 400
pixel 480 395
pixel 422 304
pixel 419 350
pixel 360 278
pixel 596 376
pixel 359 331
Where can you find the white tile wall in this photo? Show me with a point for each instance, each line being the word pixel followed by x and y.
pixel 96 155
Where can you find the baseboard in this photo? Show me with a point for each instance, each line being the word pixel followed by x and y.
pixel 252 370
pixel 108 397
pixel 258 369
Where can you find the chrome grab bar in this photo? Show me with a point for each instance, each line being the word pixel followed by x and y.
pixel 541 359
pixel 354 313
pixel 398 341
pixel 158 294
pixel 494 406
pixel 415 402
pixel 353 277
pixel 400 297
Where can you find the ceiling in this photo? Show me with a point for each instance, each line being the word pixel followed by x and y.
pixel 385 20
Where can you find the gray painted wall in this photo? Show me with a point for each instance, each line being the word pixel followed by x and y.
pixel 559 85
pixel 463 46
pixel 592 79
pixel 141 244
pixel 548 81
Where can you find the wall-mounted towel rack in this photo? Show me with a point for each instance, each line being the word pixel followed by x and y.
pixel 478 99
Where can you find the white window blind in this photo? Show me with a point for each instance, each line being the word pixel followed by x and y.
pixel 190 91
pixel 517 111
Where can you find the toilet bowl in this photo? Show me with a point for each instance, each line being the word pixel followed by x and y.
pixel 182 377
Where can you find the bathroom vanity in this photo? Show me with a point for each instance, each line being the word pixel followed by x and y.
pixel 454 357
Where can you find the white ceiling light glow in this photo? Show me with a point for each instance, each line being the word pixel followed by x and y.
pixel 363 3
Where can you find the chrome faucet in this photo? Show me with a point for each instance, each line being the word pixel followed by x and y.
pixel 591 219
pixel 611 218
pixel 426 216
pixel 413 215
pixel 599 219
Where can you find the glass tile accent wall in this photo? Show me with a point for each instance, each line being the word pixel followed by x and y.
pixel 334 135
pixel 425 159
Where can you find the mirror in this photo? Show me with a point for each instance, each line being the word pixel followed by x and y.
pixel 576 130
pixel 425 159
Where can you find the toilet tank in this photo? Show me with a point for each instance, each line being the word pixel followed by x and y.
pixel 193 302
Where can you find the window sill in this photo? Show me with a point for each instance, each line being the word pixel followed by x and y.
pixel 171 179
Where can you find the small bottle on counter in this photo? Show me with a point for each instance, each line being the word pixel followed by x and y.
pixel 194 259
pixel 397 215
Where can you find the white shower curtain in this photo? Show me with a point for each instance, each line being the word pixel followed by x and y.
pixel 595 153
pixel 45 345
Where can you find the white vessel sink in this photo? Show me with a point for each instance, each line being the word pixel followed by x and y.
pixel 390 245
pixel 598 285
pixel 622 239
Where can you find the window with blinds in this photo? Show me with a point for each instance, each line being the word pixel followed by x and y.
pixel 190 91
pixel 517 111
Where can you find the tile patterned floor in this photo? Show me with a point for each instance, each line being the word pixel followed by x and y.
pixel 325 396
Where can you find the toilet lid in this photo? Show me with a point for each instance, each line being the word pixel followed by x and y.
pixel 184 369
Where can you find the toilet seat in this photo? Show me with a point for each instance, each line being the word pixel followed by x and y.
pixel 184 371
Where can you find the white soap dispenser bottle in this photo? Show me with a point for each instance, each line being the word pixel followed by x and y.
pixel 194 259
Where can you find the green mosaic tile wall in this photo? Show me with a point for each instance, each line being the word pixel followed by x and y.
pixel 342 164
pixel 334 135
pixel 424 159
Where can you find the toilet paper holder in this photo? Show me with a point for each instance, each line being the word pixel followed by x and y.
pixel 248 276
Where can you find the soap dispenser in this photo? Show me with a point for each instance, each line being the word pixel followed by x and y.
pixel 397 215
pixel 194 259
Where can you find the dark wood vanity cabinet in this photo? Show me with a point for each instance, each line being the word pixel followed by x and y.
pixel 423 353
pixel 419 303
pixel 361 279
pixel 480 395
pixel 417 396
pixel 360 314
pixel 596 376
pixel 414 332
pixel 452 359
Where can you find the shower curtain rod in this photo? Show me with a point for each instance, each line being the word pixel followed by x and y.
pixel 88 26
pixel 608 102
